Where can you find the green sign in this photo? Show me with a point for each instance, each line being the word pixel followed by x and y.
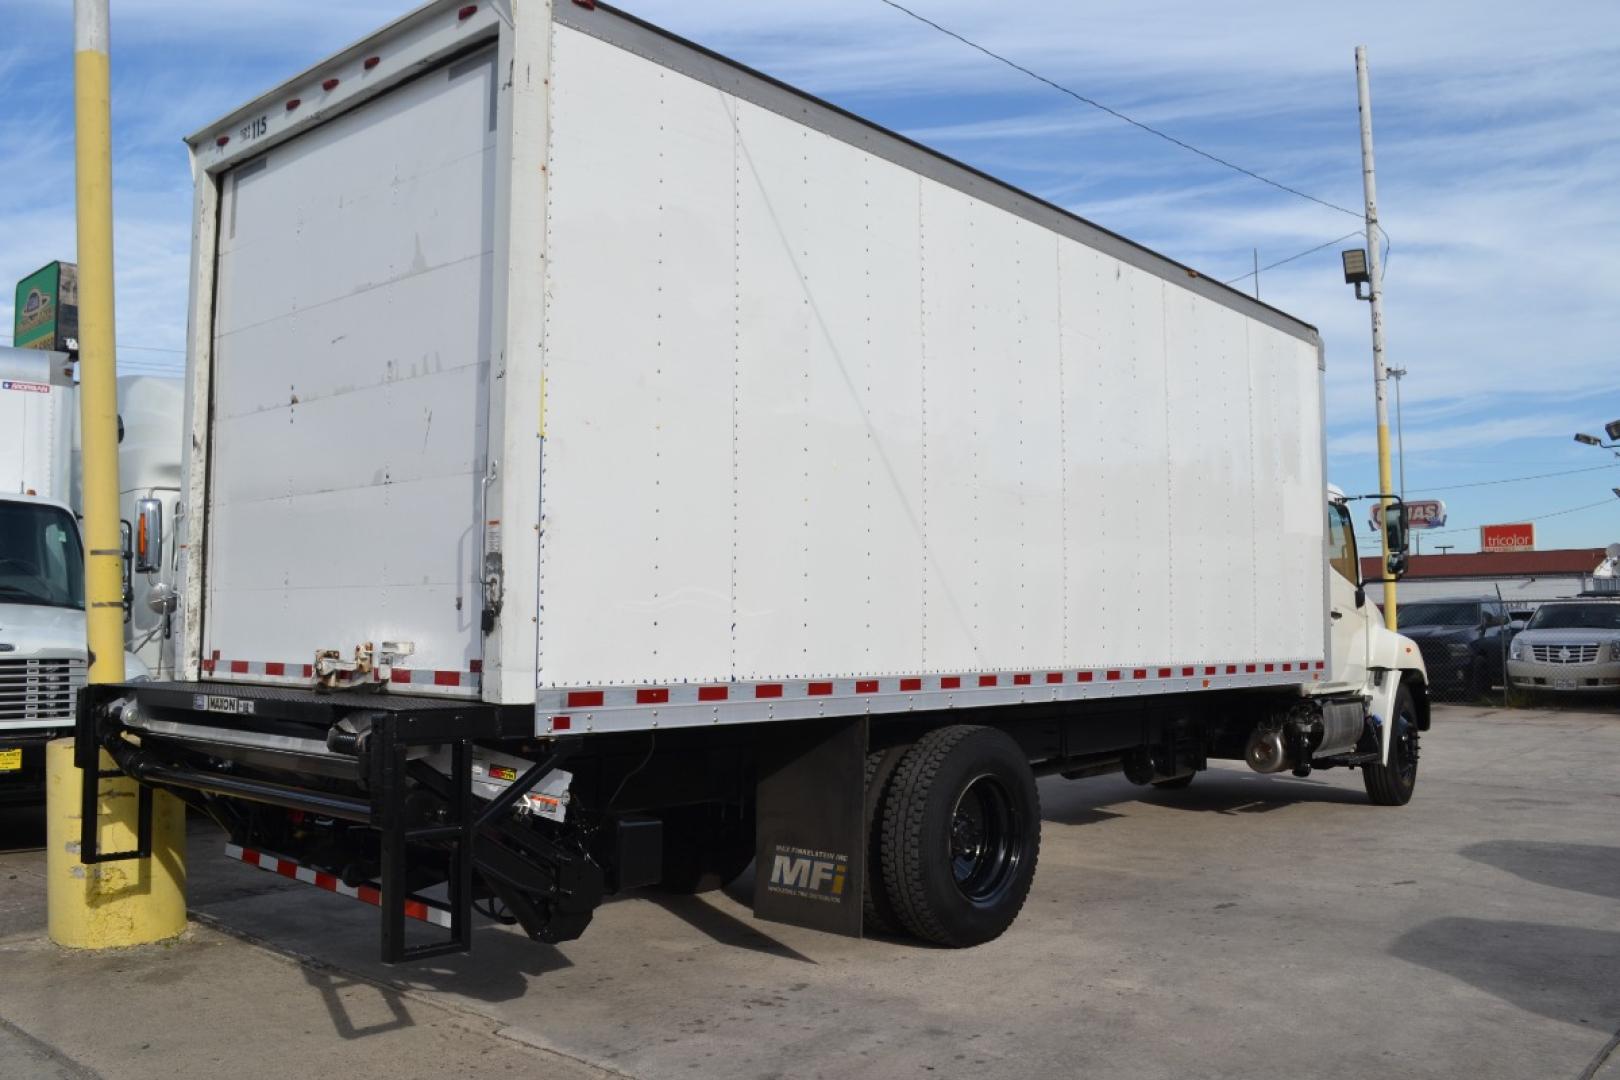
pixel 47 311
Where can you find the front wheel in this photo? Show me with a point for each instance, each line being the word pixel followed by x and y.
pixel 1393 784
pixel 961 833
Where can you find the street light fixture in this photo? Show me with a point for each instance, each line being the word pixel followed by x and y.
pixel 1611 429
pixel 1355 270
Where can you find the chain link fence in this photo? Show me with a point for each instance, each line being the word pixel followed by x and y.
pixel 1464 642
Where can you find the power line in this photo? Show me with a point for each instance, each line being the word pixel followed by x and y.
pixel 1300 255
pixel 139 348
pixel 1520 479
pixel 1119 115
pixel 1539 517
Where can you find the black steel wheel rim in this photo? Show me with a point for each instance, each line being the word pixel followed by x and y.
pixel 986 840
pixel 1405 750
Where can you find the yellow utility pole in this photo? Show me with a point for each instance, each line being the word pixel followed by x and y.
pixel 1375 271
pixel 98 375
pixel 107 904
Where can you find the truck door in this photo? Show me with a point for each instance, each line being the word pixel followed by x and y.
pixel 1349 632
pixel 351 350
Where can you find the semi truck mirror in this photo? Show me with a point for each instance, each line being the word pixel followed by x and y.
pixel 149 536
pixel 126 532
pixel 1397 563
pixel 1395 528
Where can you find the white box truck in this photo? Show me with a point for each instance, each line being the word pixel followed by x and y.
pixel 609 466
pixel 42 625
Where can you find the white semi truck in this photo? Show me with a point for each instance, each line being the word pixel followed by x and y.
pixel 42 624
pixel 609 466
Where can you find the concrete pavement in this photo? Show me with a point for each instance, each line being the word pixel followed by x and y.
pixel 1248 927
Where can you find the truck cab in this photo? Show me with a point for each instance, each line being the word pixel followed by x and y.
pixel 43 657
pixel 1365 657
pixel 42 636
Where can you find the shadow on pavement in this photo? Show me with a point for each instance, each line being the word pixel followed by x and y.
pixel 722 927
pixel 1214 791
pixel 331 984
pixel 22 827
pixel 501 967
pixel 1562 972
pixel 1587 868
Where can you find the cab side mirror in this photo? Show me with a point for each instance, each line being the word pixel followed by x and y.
pixel 125 532
pixel 149 536
pixel 1397 536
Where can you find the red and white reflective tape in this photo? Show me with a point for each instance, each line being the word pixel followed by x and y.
pixel 276 671
pixel 558 708
pixel 414 909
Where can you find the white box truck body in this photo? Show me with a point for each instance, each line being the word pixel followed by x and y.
pixel 42 650
pixel 557 375
pixel 42 629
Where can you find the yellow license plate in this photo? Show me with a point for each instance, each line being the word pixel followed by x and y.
pixel 10 760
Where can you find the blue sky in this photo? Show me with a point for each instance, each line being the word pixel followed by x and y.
pixel 1498 132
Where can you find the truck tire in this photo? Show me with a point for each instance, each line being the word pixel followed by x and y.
pixel 878 912
pixel 703 850
pixel 1174 784
pixel 961 835
pixel 1393 784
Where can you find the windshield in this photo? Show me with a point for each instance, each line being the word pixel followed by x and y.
pixel 1439 615
pixel 40 558
pixel 1575 617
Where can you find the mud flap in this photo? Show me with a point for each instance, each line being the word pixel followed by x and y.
pixel 809 862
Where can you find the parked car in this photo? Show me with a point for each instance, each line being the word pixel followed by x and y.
pixel 1568 645
pixel 1464 641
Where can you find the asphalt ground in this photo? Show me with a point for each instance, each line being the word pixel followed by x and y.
pixel 1248 926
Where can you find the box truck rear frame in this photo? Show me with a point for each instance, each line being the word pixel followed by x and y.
pixel 526 784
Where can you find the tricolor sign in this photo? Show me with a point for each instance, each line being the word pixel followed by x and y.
pixel 1520 537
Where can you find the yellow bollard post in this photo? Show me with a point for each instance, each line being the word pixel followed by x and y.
pixel 126 901
pixel 108 905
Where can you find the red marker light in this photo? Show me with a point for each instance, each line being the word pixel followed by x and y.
pixel 371 62
pixel 329 85
pixel 467 12
pixel 222 140
pixel 294 103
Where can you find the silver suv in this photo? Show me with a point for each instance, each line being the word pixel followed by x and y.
pixel 1568 645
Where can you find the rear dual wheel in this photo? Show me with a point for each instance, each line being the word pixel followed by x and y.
pixel 954 836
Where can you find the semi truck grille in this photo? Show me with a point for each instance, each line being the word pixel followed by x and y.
pixel 1564 654
pixel 39 689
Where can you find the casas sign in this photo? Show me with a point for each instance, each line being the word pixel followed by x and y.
pixel 1508 537
pixel 1420 514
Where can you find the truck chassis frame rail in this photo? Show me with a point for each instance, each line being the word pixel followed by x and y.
pixel 382 756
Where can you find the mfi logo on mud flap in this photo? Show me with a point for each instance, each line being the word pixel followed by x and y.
pixel 813 875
